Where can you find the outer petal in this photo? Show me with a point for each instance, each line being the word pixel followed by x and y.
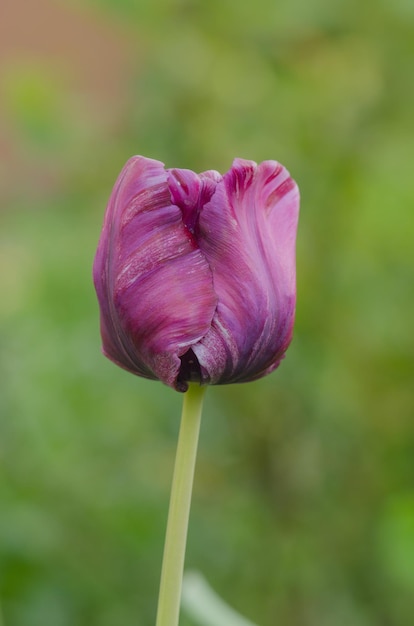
pixel 154 285
pixel 247 233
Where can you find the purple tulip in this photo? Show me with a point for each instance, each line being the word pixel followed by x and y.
pixel 195 273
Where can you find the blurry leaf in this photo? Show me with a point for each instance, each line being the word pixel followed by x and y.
pixel 396 540
pixel 205 606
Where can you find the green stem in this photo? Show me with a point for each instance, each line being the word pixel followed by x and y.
pixel 177 525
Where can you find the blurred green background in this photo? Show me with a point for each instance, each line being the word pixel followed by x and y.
pixel 303 509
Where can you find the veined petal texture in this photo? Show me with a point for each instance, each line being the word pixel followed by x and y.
pixel 195 273
pixel 154 285
pixel 247 232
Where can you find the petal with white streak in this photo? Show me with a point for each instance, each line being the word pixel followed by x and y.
pixel 154 285
pixel 247 232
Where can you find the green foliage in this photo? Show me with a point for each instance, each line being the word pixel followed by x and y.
pixel 303 510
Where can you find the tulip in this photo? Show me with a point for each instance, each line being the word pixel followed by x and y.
pixel 195 273
pixel 195 277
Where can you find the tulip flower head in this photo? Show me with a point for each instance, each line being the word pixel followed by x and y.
pixel 195 273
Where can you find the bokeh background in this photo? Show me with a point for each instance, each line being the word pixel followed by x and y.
pixel 303 509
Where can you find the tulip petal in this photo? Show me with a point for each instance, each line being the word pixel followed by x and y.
pixel 154 285
pixel 190 192
pixel 247 232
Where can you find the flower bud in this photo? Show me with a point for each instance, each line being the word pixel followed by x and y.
pixel 195 273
